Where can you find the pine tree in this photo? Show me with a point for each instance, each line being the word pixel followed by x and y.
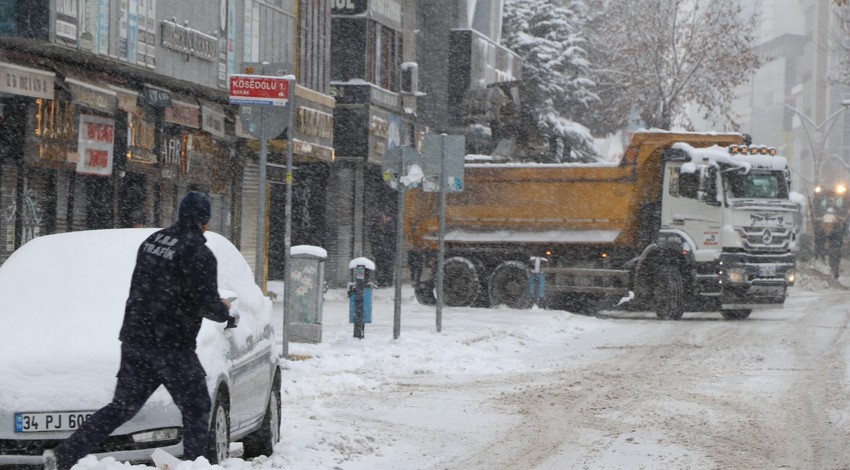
pixel 547 35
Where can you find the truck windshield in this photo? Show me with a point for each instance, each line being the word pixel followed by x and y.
pixel 763 184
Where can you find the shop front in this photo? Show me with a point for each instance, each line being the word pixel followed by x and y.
pixel 313 157
pixel 367 123
pixel 25 209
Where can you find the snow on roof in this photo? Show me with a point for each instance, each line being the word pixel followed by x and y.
pixel 717 154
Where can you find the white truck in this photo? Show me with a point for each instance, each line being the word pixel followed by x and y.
pixel 685 222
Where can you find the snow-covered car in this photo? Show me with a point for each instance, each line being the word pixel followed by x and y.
pixel 62 300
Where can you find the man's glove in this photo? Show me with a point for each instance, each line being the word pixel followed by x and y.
pixel 232 321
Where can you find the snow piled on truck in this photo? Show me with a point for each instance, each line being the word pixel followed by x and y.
pixel 717 155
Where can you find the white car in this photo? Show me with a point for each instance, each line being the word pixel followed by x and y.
pixel 62 300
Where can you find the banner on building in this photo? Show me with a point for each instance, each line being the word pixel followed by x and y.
pixel 96 139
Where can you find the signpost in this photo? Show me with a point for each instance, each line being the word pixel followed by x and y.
pixel 400 169
pixel 259 90
pixel 267 108
pixel 442 159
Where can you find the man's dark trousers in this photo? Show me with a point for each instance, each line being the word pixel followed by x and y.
pixel 142 370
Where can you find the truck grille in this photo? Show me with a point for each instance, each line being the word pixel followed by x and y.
pixel 763 239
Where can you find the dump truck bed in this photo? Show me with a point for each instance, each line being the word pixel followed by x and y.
pixel 576 204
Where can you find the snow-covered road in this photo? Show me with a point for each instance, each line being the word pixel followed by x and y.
pixel 624 390
pixel 537 389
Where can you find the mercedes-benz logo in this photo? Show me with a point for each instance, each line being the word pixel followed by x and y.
pixel 766 237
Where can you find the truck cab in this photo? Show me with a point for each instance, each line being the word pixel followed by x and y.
pixel 727 214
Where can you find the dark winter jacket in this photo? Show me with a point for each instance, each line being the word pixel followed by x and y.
pixel 173 288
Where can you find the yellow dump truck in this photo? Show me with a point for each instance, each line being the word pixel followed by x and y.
pixel 684 222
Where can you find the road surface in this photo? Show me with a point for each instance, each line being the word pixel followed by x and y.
pixel 637 392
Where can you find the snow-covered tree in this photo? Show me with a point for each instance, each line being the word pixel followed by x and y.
pixel 654 57
pixel 547 35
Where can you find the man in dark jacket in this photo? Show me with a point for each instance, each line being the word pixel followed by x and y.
pixel 173 289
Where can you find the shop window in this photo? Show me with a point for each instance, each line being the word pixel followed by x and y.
pixel 54 119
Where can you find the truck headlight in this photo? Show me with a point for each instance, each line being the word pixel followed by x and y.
pixel 736 275
pixel 790 277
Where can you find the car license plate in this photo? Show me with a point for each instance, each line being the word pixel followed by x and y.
pixel 767 270
pixel 54 421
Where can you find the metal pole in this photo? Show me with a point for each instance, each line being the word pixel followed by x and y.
pixel 261 197
pixel 287 237
pixel 359 290
pixel 442 233
pixel 399 248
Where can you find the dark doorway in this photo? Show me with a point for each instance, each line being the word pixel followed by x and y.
pixel 133 196
pixel 309 218
pixel 99 200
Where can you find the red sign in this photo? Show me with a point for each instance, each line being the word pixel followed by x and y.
pixel 95 145
pixel 259 90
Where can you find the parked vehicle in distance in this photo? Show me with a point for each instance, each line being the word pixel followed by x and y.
pixel 63 305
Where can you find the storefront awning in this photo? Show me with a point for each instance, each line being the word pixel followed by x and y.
pixel 212 120
pixel 25 81
pixel 184 113
pixel 126 98
pixel 96 97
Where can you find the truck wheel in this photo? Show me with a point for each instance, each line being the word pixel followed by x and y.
pixel 509 285
pixel 736 314
pixel 424 291
pixel 461 284
pixel 669 293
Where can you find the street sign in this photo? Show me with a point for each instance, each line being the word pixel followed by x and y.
pixel 439 150
pixel 398 159
pixel 259 90
pixel 264 121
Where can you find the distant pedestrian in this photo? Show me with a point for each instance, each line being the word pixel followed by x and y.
pixel 382 239
pixel 172 290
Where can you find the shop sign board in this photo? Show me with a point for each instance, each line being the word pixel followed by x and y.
pixel 96 139
pixel 212 121
pixel 25 81
pixel 93 97
pixel 184 114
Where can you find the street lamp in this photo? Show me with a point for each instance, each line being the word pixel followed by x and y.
pixel 817 134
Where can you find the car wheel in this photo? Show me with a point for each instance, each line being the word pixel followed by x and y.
pixel 262 441
pixel 219 436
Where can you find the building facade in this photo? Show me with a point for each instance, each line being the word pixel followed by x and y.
pixel 795 101
pixel 111 110
pixel 402 69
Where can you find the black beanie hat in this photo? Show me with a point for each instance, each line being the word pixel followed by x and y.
pixel 194 209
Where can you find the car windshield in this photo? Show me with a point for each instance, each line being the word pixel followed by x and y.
pixel 763 184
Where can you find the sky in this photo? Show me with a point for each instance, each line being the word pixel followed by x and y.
pixel 474 346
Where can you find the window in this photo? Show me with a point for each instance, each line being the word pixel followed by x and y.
pixel 756 184
pixel 383 62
